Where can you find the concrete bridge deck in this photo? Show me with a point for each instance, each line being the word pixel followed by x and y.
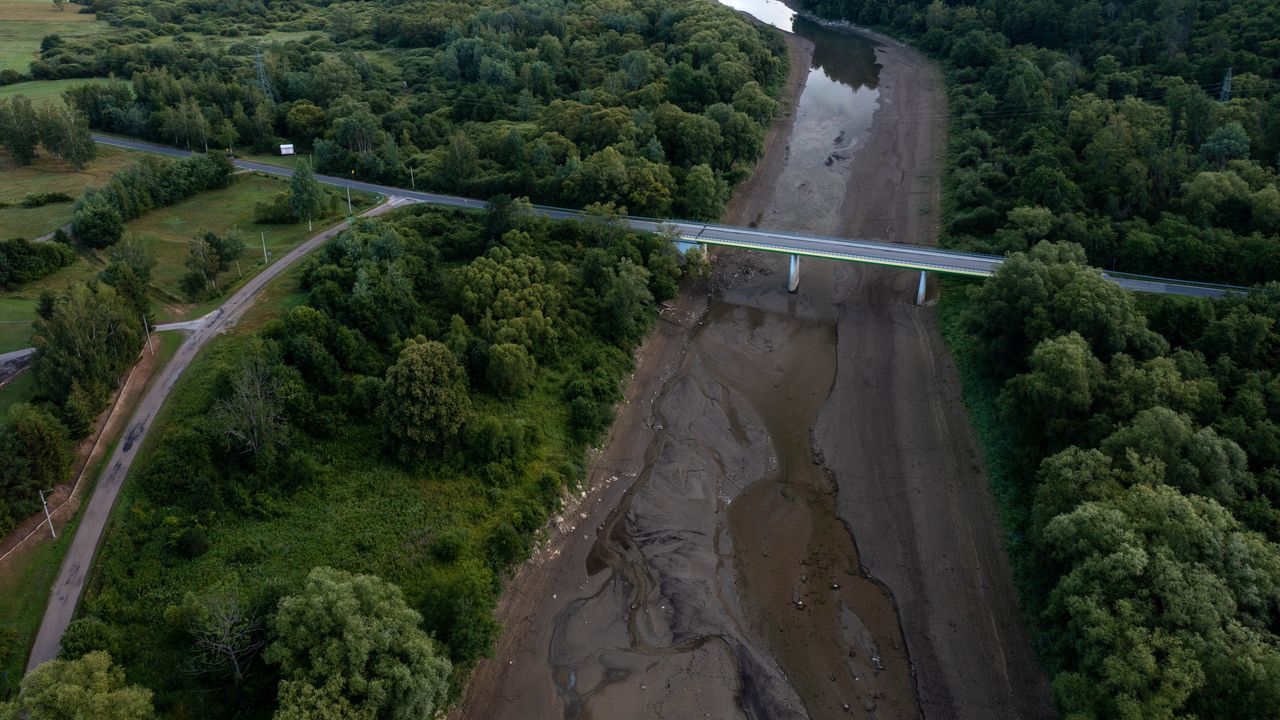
pixel 911 257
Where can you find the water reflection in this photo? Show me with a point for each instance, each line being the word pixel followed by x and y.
pixel 770 12
pixel 832 118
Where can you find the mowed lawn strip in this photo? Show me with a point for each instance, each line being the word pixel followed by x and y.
pixel 18 390
pixel 40 92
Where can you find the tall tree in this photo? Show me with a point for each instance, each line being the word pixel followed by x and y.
pixel 64 132
pixel 305 194
pixel 19 128
pixel 424 401
pixel 33 455
pixel 202 266
pixel 91 337
pixel 91 687
pixel 96 222
pixel 352 640
pixel 250 417
pixel 225 630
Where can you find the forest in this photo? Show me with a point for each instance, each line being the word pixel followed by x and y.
pixel 1135 447
pixel 1133 441
pixel 1146 132
pixel 427 398
pixel 657 107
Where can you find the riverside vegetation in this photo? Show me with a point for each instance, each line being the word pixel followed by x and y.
pixel 1146 132
pixel 415 417
pixel 1134 442
pixel 421 410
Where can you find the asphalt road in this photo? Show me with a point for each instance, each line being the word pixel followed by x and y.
pixel 69 585
pixel 864 251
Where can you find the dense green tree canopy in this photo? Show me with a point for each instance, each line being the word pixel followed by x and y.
pixel 1142 486
pixel 88 341
pixel 424 399
pixel 349 646
pixel 90 688
pixel 1149 130
pixel 571 104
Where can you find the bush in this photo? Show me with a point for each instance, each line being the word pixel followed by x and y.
pixel 192 542
pixel 22 261
pixel 35 200
pixel 96 222
pixel 511 369
pixel 277 211
pixel 86 635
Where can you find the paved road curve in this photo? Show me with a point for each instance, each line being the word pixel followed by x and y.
pixel 912 257
pixel 75 566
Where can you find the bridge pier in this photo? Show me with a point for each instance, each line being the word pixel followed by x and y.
pixel 924 284
pixel 793 274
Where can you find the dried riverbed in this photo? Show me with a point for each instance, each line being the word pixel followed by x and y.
pixel 790 518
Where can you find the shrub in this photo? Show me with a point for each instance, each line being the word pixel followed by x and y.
pixel 277 210
pixel 511 369
pixel 35 200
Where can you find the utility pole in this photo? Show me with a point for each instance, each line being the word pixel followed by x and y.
pixel 47 516
pixel 263 234
pixel 353 177
pixel 412 184
pixel 147 327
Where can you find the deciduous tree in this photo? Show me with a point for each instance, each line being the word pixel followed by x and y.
pixel 306 197
pixel 350 646
pixel 424 399
pixel 90 687
pixel 19 128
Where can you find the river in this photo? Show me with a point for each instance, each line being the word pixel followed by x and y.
pixel 790 517
pixel 728 555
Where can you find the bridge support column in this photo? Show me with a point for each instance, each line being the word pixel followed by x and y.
pixel 924 284
pixel 793 274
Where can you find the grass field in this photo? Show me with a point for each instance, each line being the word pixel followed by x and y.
pixel 21 389
pixel 18 307
pixel 47 174
pixel 16 314
pixel 168 232
pixel 24 24
pixel 26 579
pixel 40 92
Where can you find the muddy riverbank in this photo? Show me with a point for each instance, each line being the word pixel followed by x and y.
pixel 790 517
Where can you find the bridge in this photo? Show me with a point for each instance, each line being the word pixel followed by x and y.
pixel 911 257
